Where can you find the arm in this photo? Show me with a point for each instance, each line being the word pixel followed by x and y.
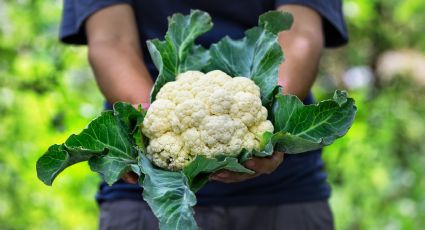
pixel 115 55
pixel 116 58
pixel 303 45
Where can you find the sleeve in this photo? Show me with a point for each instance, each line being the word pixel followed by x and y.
pixel 74 15
pixel 334 27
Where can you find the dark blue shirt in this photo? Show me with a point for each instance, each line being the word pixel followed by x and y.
pixel 300 178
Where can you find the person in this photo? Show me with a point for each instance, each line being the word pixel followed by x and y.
pixel 289 194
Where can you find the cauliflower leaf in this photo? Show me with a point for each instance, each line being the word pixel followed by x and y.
pixel 256 56
pixel 201 168
pixel 169 196
pixel 301 128
pixel 107 144
pixel 178 52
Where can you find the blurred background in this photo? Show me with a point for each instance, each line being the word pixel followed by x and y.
pixel 377 171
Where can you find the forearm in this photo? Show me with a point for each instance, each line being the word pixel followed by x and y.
pixel 303 45
pixel 120 72
pixel 115 55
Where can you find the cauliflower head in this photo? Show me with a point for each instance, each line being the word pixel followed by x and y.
pixel 204 114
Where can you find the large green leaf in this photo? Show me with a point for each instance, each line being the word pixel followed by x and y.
pixel 300 128
pixel 59 157
pixel 178 52
pixel 107 143
pixel 202 167
pixel 169 196
pixel 256 56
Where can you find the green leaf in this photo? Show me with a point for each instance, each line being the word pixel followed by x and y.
pixel 57 158
pixel 201 167
pixel 107 143
pixel 266 148
pixel 169 196
pixel 257 56
pixel 276 21
pixel 300 128
pixel 178 52
pixel 197 59
pixel 130 117
pixel 288 143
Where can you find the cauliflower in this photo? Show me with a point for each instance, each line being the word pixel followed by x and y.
pixel 204 114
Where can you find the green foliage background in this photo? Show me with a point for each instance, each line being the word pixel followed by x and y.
pixel 47 92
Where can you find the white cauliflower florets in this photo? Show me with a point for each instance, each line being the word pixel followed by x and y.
pixel 189 113
pixel 162 151
pixel 246 107
pixel 220 101
pixel 204 114
pixel 242 84
pixel 261 127
pixel 158 118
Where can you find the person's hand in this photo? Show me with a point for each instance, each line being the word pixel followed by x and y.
pixel 130 177
pixel 260 165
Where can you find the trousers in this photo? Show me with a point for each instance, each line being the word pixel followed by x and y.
pixel 136 215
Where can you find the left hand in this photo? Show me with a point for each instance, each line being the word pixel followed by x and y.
pixel 260 165
pixel 130 177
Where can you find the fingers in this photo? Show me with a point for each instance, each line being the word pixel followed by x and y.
pixel 130 178
pixel 265 165
pixel 226 176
